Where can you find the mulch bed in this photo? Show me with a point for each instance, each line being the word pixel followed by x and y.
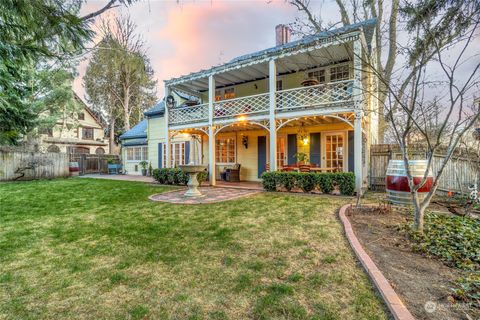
pixel 422 283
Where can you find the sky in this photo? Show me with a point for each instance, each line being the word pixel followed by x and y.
pixel 192 35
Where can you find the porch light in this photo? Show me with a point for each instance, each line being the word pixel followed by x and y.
pixel 303 135
pixel 241 118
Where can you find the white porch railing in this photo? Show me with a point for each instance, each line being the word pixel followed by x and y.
pixel 290 99
pixel 188 114
pixel 312 96
pixel 241 106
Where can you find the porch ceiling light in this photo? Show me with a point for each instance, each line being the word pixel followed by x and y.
pixel 302 135
pixel 242 118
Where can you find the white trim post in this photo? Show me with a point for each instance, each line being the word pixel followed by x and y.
pixel 211 131
pixel 358 105
pixel 167 131
pixel 272 88
pixel 358 151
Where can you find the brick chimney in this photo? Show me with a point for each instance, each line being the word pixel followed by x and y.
pixel 282 34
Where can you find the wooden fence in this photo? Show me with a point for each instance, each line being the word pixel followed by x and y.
pixel 20 165
pixel 458 174
pixel 93 163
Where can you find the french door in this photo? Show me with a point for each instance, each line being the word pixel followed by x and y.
pixel 334 150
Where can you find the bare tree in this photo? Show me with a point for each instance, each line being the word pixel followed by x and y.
pixel 434 78
pixel 353 11
pixel 109 5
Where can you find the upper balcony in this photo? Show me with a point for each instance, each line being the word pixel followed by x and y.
pixel 251 85
pixel 308 99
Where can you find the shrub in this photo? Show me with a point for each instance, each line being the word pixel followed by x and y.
pixel 268 181
pixel 285 180
pixel 202 176
pixel 306 181
pixel 345 182
pixel 170 176
pixel 310 181
pixel 324 182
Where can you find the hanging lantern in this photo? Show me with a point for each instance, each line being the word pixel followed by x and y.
pixel 302 135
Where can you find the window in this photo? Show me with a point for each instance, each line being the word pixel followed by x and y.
pixel 281 151
pixel 78 150
pixel 229 93
pixel 177 151
pixel 100 150
pixel 225 150
pixel 279 85
pixel 218 95
pixel 137 153
pixel 47 131
pixel 81 116
pixel 87 133
pixel 318 74
pixel 339 73
pixel 53 148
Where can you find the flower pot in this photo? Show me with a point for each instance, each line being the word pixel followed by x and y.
pixel 144 172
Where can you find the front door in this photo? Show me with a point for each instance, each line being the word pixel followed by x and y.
pixel 334 150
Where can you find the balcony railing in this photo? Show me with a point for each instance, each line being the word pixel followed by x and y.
pixel 188 114
pixel 287 100
pixel 248 105
pixel 313 96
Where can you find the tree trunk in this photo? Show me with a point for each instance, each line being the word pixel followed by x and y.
pixel 112 135
pixel 126 114
pixel 419 212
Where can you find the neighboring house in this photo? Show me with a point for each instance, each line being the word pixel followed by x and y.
pixel 260 110
pixel 80 134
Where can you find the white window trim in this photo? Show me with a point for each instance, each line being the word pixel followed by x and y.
pixel 323 152
pixel 141 154
pixel 235 150
pixel 327 70
pixel 172 153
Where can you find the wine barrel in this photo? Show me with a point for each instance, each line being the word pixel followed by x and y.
pixel 398 190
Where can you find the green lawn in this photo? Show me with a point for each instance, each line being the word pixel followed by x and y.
pixel 99 249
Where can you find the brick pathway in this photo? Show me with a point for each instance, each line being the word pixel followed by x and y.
pixel 210 195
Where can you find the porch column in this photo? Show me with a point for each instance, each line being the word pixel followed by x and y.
pixel 358 146
pixel 167 132
pixel 272 84
pixel 211 131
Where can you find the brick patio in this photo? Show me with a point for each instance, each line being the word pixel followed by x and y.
pixel 210 195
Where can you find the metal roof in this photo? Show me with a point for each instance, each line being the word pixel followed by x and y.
pixel 157 110
pixel 135 142
pixel 138 131
pixel 298 52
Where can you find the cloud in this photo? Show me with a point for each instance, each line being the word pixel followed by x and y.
pixel 190 36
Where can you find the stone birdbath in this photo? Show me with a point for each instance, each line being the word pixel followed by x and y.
pixel 192 170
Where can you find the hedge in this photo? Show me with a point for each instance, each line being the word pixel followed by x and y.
pixel 175 176
pixel 309 181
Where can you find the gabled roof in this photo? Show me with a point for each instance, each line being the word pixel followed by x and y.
pixel 94 115
pixel 138 131
pixel 290 48
pixel 157 110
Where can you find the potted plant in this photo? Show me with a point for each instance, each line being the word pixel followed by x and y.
pixel 302 158
pixel 144 165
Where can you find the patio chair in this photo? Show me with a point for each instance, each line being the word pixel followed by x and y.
pixel 233 174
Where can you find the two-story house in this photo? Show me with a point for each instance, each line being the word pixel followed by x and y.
pixel 80 133
pixel 311 99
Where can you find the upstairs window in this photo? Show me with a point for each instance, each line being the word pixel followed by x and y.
pixel 81 116
pixel 339 73
pixel 87 133
pixel 279 85
pixel 229 93
pixel 318 74
pixel 47 131
pixel 218 95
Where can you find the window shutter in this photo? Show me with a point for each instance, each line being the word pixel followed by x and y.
pixel 291 148
pixel 160 155
pixel 187 152
pixel 315 148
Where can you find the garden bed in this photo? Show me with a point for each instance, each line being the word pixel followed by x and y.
pixel 423 283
